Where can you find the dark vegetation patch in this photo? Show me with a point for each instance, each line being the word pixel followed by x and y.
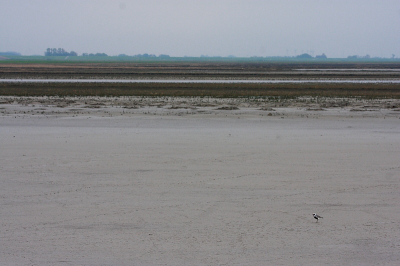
pixel 228 108
pixel 219 90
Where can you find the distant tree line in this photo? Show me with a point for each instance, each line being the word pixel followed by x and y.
pixel 62 52
pixel 59 52
pixel 306 56
pixel 145 56
pixel 322 56
pixel 357 56
pixel 96 54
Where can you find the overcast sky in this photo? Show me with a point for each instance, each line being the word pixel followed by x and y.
pixel 246 28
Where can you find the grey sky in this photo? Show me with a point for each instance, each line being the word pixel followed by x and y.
pixel 202 27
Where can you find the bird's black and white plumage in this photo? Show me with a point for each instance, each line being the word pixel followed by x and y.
pixel 316 216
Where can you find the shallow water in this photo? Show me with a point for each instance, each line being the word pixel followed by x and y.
pixel 199 81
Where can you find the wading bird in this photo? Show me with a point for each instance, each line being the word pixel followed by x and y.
pixel 316 216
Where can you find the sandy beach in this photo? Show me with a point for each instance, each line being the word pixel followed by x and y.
pixel 199 181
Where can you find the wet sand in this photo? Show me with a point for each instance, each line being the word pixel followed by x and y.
pixel 151 181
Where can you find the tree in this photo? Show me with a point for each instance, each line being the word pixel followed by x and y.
pixel 304 56
pixel 48 52
pixel 58 52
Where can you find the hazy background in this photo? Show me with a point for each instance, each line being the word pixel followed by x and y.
pixel 202 27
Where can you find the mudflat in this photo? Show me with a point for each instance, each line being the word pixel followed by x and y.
pixel 95 181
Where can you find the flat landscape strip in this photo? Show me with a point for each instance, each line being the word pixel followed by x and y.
pixel 200 81
pixel 368 90
pixel 199 70
pixel 183 71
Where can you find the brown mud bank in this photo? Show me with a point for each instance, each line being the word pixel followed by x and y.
pixel 198 70
pixel 285 90
pixel 126 106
